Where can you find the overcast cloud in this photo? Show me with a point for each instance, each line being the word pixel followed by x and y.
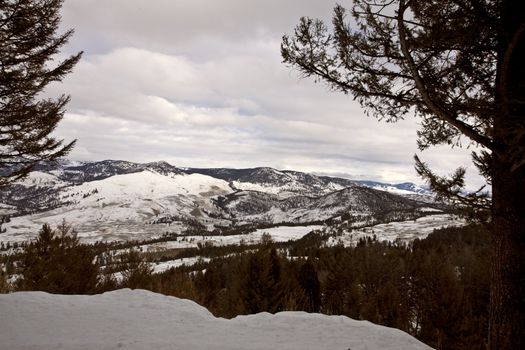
pixel 200 83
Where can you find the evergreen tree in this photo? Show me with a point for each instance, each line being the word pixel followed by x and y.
pixel 135 271
pixel 310 284
pixel 262 286
pixel 28 43
pixel 56 262
pixel 458 65
pixel 4 287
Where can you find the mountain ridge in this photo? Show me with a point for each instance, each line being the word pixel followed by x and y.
pixel 111 167
pixel 108 197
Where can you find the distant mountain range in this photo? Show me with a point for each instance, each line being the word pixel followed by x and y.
pixel 119 199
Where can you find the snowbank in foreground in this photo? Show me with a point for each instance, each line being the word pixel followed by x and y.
pixel 139 319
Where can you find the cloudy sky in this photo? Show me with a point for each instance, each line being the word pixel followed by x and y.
pixel 200 83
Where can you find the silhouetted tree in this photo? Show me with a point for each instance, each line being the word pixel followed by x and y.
pixel 458 65
pixel 28 43
pixel 310 284
pixel 4 287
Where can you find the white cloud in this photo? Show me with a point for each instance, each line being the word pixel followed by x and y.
pixel 201 83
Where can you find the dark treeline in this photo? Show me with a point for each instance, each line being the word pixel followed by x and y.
pixel 436 289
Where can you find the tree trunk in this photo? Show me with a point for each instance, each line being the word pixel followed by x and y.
pixel 507 309
pixel 507 301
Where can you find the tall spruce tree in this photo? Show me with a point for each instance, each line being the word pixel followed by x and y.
pixel 459 66
pixel 28 43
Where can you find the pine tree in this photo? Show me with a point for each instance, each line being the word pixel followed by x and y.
pixel 262 284
pixel 136 272
pixel 56 262
pixel 28 43
pixel 310 284
pixel 458 66
pixel 4 287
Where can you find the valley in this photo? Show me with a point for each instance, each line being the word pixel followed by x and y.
pixel 124 201
pixel 242 241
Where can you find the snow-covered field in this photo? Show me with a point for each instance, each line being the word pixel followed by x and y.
pixel 138 319
pixel 166 265
pixel 278 234
pixel 403 230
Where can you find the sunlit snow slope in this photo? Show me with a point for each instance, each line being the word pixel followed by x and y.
pixel 138 319
pixel 124 204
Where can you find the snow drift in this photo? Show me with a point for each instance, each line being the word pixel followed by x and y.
pixel 139 319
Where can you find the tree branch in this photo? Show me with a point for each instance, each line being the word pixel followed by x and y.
pixel 466 129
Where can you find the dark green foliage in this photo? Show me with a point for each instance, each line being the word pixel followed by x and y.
pixel 4 288
pixel 57 263
pixel 311 287
pixel 28 43
pixel 262 288
pixel 176 282
pixel 135 272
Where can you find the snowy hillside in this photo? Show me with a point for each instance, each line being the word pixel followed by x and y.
pixel 143 320
pixel 119 200
pixel 354 200
pixel 123 205
pixel 284 184
pixel 405 188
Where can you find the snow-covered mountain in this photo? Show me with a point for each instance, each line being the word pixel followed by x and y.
pixel 405 188
pixel 283 183
pixel 124 200
pixel 81 172
pixel 140 319
pixel 352 200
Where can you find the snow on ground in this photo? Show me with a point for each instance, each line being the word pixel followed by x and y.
pixel 290 189
pixel 286 233
pixel 154 185
pixel 120 207
pixel 139 319
pixel 6 209
pixel 403 230
pixel 265 188
pixel 392 189
pixel 26 228
pixel 278 234
pixel 159 267
pixel 429 210
pixel 41 179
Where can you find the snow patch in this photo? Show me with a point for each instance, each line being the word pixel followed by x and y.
pixel 140 319
pixel 404 231
pixel 40 179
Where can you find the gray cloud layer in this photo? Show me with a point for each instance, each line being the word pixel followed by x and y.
pixel 201 83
